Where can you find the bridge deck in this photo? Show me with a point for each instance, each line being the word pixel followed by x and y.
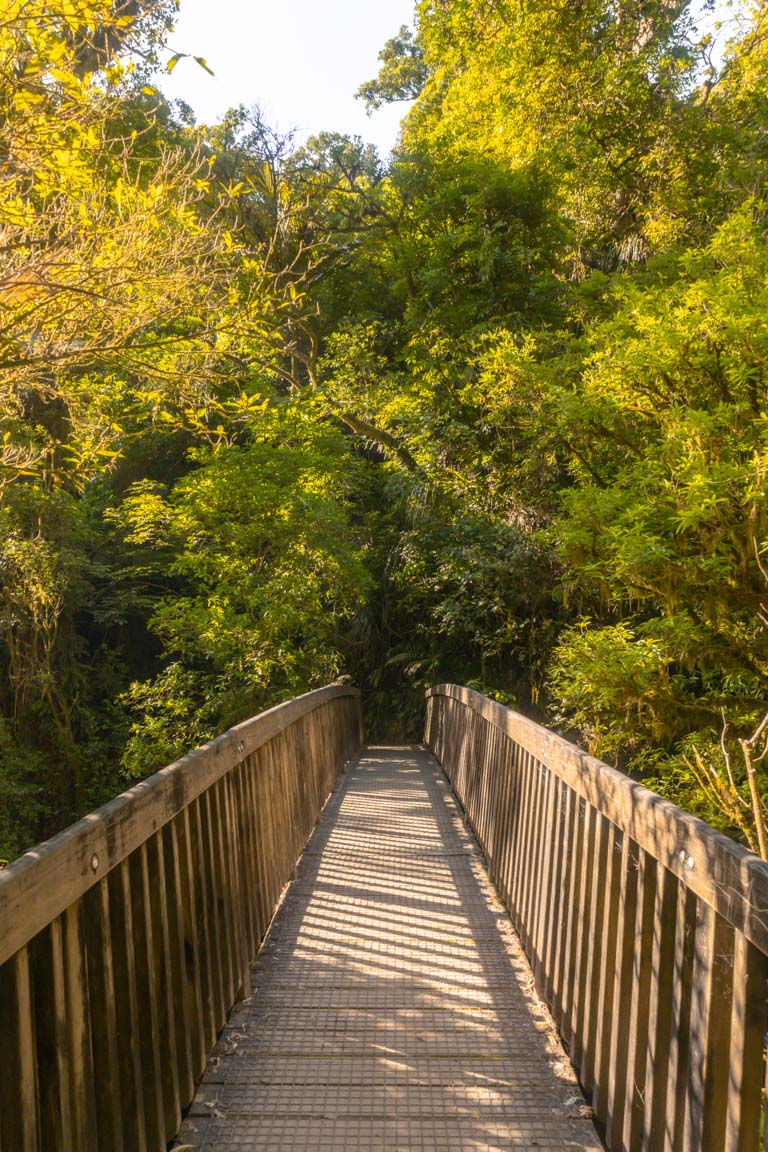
pixel 392 1006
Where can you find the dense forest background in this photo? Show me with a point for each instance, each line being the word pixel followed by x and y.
pixel 493 411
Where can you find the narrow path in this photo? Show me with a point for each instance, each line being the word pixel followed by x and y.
pixel 392 1006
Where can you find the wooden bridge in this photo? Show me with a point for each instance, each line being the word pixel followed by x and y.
pixel 495 943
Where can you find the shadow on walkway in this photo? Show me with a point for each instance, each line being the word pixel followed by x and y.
pixel 392 1005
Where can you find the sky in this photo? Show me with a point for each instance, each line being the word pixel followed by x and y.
pixel 299 60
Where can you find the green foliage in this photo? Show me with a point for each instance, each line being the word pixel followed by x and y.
pixel 621 690
pixel 402 75
pixel 493 412
pixel 669 516
pixel 605 96
pixel 123 299
pixel 265 568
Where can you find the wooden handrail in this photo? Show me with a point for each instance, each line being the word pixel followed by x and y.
pixel 126 939
pixel 646 929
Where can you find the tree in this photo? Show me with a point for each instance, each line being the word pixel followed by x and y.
pixel 265 567
pixel 117 277
pixel 604 96
pixel 402 75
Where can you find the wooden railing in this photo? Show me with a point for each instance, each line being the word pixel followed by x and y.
pixel 125 940
pixel 647 930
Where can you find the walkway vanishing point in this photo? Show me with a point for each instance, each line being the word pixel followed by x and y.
pixel 442 899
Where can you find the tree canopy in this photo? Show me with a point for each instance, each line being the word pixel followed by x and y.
pixel 493 411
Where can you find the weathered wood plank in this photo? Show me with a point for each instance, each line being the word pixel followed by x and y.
pixel 660 1012
pixel 593 976
pixel 148 989
pixel 584 939
pixel 219 864
pixel 192 939
pixel 128 1038
pixel 211 1018
pixel 746 1064
pixel 532 890
pixel 559 958
pixel 161 929
pixel 506 767
pixel 720 993
pixel 624 977
pixel 575 917
pixel 639 1006
pixel 19 1082
pixel 108 1081
pixel 52 1048
pixel 679 1039
pixel 242 816
pixel 521 871
pixel 554 910
pixel 178 955
pixel 77 995
pixel 547 879
pixel 242 957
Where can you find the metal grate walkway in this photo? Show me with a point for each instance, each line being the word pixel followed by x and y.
pixel 392 1005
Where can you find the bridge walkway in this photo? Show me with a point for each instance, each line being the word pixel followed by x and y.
pixel 392 1006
